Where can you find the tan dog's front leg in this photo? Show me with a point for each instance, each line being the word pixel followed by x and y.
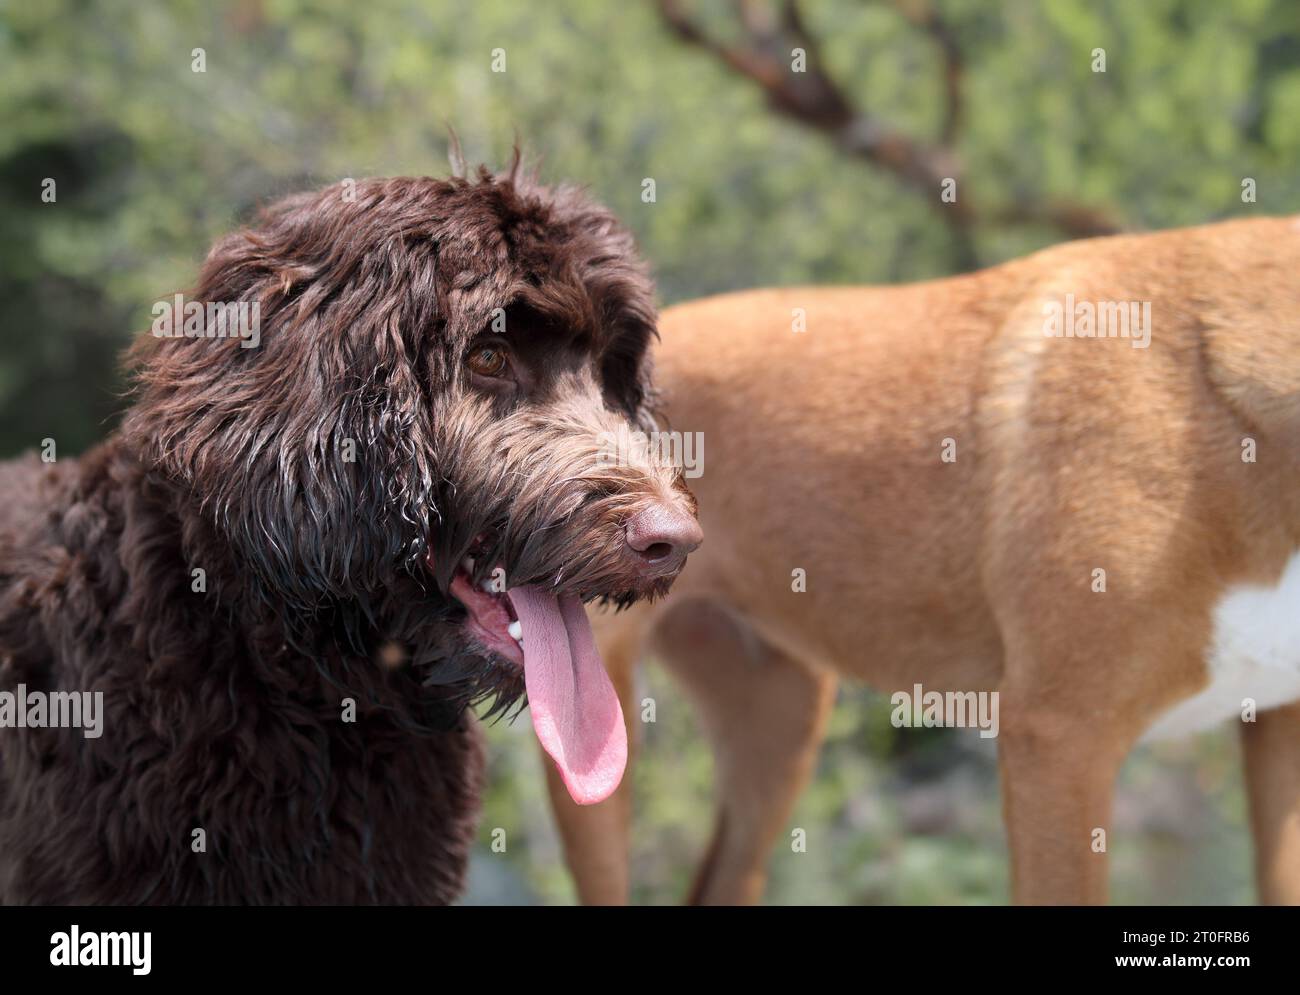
pixel 1272 753
pixel 1058 776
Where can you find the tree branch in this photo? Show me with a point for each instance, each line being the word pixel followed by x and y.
pixel 814 99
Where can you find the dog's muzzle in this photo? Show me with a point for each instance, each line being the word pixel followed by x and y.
pixel 659 539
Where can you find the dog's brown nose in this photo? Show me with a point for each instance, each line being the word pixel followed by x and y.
pixel 661 537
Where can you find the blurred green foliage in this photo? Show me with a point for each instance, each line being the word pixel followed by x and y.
pixel 153 160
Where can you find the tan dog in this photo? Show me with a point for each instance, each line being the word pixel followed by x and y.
pixel 984 498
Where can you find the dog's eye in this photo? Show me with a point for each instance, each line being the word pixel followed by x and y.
pixel 487 361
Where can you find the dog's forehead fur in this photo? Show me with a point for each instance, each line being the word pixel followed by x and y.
pixel 497 241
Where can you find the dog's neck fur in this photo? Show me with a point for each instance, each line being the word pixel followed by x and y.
pixel 212 698
pixel 317 656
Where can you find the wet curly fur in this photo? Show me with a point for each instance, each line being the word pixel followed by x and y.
pixel 326 483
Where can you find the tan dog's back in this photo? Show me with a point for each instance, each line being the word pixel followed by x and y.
pixel 825 446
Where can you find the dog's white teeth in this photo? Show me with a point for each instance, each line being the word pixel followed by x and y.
pixel 516 630
pixel 468 564
pixel 487 586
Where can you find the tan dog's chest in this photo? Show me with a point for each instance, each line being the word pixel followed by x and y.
pixel 1253 658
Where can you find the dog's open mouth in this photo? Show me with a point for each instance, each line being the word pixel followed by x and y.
pixel 576 713
pixel 492 619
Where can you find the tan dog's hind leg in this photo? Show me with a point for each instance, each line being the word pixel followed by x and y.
pixel 765 714
pixel 596 837
pixel 1272 752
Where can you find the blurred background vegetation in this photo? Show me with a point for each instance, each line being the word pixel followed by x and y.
pixel 763 176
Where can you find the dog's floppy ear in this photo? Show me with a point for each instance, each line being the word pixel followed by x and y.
pixel 304 439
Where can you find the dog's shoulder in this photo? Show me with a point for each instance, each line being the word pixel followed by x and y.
pixel 39 489
pixel 25 485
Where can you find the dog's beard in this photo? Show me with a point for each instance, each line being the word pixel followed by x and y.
pixel 532 526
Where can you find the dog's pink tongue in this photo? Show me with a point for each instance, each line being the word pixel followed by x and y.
pixel 576 713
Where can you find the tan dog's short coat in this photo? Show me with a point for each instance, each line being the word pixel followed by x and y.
pixel 985 498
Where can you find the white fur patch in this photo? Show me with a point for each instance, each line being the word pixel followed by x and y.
pixel 1254 653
